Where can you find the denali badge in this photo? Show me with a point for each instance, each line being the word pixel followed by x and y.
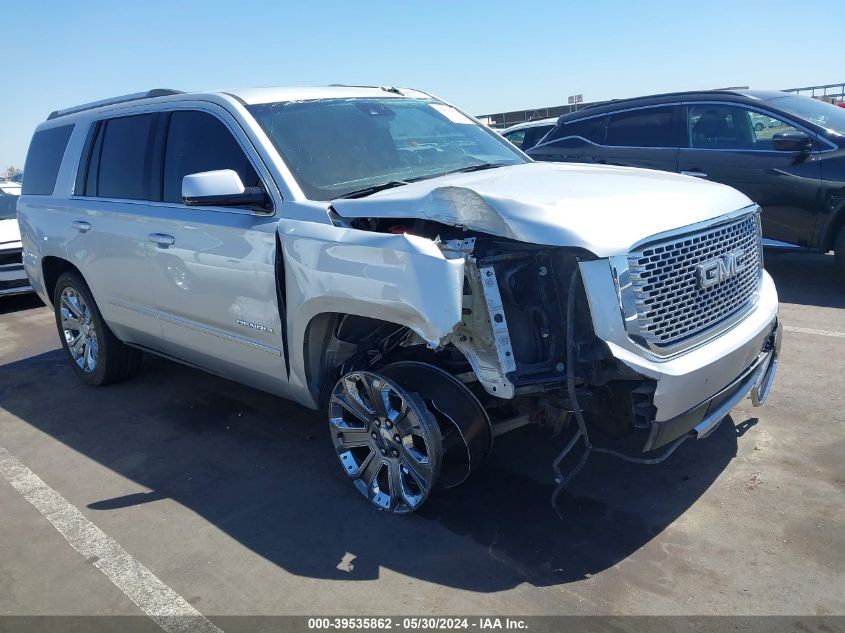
pixel 255 326
pixel 718 269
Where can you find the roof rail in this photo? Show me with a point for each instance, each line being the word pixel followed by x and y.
pixel 390 89
pixel 149 94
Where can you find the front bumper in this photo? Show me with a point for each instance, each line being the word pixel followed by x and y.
pixel 702 419
pixel 13 279
pixel 696 389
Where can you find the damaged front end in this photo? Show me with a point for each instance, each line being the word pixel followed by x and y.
pixel 517 344
pixel 526 329
pixel 542 337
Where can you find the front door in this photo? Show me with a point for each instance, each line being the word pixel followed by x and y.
pixel 732 144
pixel 213 268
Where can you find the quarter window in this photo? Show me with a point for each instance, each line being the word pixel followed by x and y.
pixel 197 142
pixel 534 135
pixel 648 127
pixel 719 126
pixel 588 129
pixel 125 158
pixel 516 137
pixel 43 160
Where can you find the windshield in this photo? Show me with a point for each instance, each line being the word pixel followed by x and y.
pixel 335 147
pixel 8 200
pixel 822 114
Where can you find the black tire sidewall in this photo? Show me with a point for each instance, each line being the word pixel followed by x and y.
pixel 98 376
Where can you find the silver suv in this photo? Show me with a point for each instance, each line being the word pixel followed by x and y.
pixel 379 253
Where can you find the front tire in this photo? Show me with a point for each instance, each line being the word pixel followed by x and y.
pixel 387 441
pixel 95 353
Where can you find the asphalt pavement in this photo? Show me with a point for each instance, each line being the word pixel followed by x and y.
pixel 232 499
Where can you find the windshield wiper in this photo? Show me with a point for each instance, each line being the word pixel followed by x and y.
pixel 390 184
pixel 478 167
pixel 366 191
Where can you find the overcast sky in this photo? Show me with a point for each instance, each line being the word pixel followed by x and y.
pixel 483 56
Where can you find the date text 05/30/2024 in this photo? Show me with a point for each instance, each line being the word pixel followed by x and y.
pixel 417 623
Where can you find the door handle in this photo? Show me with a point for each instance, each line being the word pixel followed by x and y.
pixel 81 226
pixel 161 239
pixel 696 173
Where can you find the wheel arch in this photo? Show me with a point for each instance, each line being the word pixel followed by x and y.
pixel 52 268
pixel 324 351
pixel 831 230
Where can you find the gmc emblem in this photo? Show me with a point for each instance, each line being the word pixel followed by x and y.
pixel 715 271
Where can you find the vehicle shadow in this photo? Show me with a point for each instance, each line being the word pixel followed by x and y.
pixel 261 469
pixel 806 279
pixel 18 303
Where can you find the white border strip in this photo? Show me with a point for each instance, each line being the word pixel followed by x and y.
pixel 807 330
pixel 163 605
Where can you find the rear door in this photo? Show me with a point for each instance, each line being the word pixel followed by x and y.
pixel 732 144
pixel 213 268
pixel 643 137
pixel 107 225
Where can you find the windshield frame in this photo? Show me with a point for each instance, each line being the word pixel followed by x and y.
pixel 510 155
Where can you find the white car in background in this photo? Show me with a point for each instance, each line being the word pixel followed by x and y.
pixel 13 279
pixel 527 135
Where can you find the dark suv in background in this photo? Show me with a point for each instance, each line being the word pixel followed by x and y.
pixel 785 152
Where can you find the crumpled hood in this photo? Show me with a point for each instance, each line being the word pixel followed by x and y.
pixel 605 210
pixel 10 233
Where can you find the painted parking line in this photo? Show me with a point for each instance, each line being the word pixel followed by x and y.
pixel 163 605
pixel 807 330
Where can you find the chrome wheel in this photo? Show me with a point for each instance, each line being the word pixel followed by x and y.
pixel 79 330
pixel 387 441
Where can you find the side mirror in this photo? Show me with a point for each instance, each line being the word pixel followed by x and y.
pixel 792 142
pixel 220 188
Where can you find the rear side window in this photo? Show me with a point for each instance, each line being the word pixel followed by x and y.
pixel 125 159
pixel 516 137
pixel 533 135
pixel 197 142
pixel 43 160
pixel 588 129
pixel 649 127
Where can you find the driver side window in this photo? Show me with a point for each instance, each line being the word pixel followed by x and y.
pixel 197 142
pixel 728 127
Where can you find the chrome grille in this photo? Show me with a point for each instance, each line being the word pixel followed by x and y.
pixel 672 303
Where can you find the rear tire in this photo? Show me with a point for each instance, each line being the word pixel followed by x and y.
pixel 839 253
pixel 95 353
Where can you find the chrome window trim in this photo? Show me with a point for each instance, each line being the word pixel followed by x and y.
pixel 620 271
pixel 250 152
pixel 176 205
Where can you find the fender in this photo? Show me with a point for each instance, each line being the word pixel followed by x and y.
pixel 404 279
